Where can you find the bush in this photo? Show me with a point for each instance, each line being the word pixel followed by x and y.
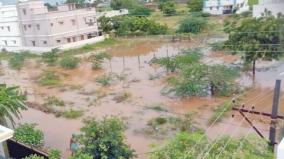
pixel 192 25
pixel 140 11
pixel 34 157
pixel 121 97
pixel 168 8
pixel 54 154
pixel 105 139
pixel 17 61
pixel 72 114
pixel 50 57
pixel 80 155
pixel 49 78
pixel 54 101
pixel 28 134
pixel 104 80
pixel 69 62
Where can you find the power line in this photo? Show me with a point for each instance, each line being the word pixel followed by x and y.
pixel 213 144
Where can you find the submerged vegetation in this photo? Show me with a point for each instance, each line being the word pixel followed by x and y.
pixel 49 78
pixel 69 62
pixel 196 79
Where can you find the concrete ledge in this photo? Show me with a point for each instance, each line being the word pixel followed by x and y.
pixel 280 150
pixel 5 133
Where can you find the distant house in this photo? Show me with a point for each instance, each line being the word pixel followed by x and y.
pixel 273 6
pixel 219 7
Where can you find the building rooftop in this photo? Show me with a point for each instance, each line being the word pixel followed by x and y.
pixel 5 133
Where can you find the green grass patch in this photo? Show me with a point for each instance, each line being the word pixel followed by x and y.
pixel 72 114
pixel 54 101
pixel 49 78
pixel 69 62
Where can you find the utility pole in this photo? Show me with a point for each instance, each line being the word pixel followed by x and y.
pixel 274 114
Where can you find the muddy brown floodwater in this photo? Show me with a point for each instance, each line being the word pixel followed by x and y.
pixel 79 90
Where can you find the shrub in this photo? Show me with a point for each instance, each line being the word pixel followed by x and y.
pixel 28 134
pixel 72 114
pixel 69 62
pixel 34 157
pixel 121 97
pixel 192 25
pixel 54 154
pixel 54 101
pixel 168 8
pixel 49 78
pixel 105 139
pixel 50 57
pixel 140 11
pixel 80 155
pixel 17 61
pixel 104 80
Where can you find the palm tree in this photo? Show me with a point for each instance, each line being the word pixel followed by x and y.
pixel 11 102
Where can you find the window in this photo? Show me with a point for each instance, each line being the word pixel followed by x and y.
pixel 5 42
pixel 33 43
pixel 217 7
pixel 74 39
pixel 24 11
pixel 61 22
pixel 14 41
pixel 69 40
pixel 73 21
pixel 38 27
pixel 51 24
pixel 82 37
pixel 211 8
pixel 44 42
pixel 25 27
pixel 2 27
pixel 29 25
pixel 9 29
pixel 58 41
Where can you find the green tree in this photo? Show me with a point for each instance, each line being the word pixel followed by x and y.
pixel 168 8
pixel 192 24
pixel 11 102
pixel 123 4
pixel 195 145
pixel 54 154
pixel 105 139
pixel 140 11
pixel 105 24
pixel 34 157
pixel 256 39
pixel 195 5
pixel 28 134
pixel 80 155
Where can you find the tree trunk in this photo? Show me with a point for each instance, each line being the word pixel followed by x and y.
pixel 253 68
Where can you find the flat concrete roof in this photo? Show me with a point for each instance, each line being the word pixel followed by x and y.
pixel 5 133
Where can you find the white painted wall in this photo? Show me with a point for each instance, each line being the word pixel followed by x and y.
pixel 10 35
pixel 280 150
pixel 275 7
pixel 216 7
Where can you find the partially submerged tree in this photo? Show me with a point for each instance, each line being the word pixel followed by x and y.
pixel 11 102
pixel 105 139
pixel 256 39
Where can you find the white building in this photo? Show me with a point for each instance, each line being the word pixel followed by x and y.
pixel 274 6
pixel 5 134
pixel 218 7
pixel 280 150
pixel 10 35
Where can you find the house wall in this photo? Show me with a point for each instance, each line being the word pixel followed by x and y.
pixel 41 28
pixel 218 7
pixel 10 35
pixel 275 6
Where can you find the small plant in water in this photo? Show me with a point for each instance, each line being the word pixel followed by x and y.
pixel 72 113
pixel 54 101
pixel 104 80
pixel 122 96
pixel 49 78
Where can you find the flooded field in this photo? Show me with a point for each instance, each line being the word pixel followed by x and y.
pixel 142 83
